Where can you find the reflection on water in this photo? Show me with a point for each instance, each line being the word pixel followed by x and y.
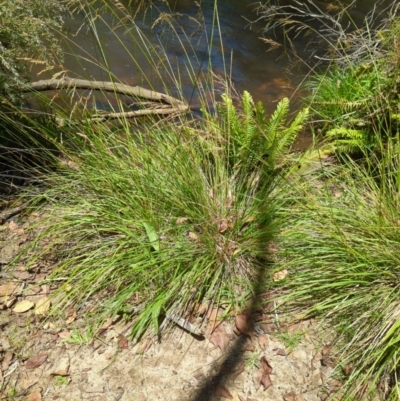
pixel 239 52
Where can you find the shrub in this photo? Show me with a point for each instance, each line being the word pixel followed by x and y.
pixel 356 102
pixel 28 35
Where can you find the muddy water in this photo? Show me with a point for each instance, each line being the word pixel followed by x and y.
pixel 191 41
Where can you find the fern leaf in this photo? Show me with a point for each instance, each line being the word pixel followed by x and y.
pixel 248 117
pixel 348 140
pixel 285 137
pixel 277 120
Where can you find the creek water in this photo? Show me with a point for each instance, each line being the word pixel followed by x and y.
pixel 194 40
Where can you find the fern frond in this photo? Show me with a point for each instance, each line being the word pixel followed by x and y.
pixel 229 115
pixel 254 140
pixel 248 117
pixel 277 120
pixel 248 125
pixel 284 139
pixel 348 140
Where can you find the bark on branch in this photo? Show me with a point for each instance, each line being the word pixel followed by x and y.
pixel 134 91
pixel 132 114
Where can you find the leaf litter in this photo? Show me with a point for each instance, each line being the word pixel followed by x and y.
pixel 36 361
pixel 71 364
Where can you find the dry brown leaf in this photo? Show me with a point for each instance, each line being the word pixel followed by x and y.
pixel 272 248
pixel 221 391
pixel 289 397
pixel 31 378
pixel 265 366
pixel 249 348
pixel 280 351
pixel 23 306
pixel 266 381
pixel 7 289
pixel 220 338
pixel 193 236
pixel 347 370
pixel 14 228
pixel 71 164
pixel 6 360
pixel 64 334
pixel 326 350
pixel 266 369
pixel 242 322
pixel 40 277
pixel 21 239
pixel 201 309
pixel 71 315
pixel 42 306
pixel 21 275
pixel 181 220
pixel 122 342
pixel 35 361
pixel 106 324
pixel 223 226
pixel 35 396
pixel 278 276
pixel 9 302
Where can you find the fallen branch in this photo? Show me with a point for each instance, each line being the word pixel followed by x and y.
pixel 134 91
pixel 4 216
pixel 132 114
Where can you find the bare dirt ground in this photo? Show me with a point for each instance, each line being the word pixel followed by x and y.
pixel 249 357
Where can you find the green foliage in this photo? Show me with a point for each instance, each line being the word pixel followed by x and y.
pixel 290 340
pixel 28 31
pixel 60 380
pixel 252 361
pixel 341 247
pixel 255 138
pixel 348 140
pixel 356 102
pixel 169 218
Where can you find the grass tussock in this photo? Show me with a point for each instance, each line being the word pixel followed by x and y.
pixel 341 247
pixel 165 218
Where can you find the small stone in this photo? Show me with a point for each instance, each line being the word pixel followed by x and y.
pixel 62 368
